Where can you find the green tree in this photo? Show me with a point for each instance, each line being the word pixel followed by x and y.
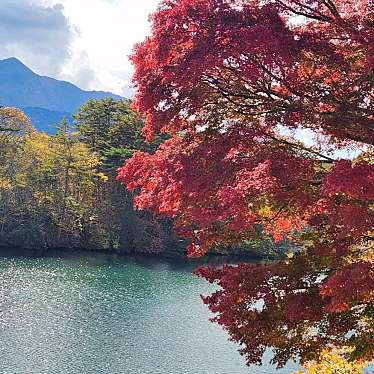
pixel 113 130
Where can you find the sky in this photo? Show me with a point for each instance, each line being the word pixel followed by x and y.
pixel 86 42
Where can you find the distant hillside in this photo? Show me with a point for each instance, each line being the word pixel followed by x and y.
pixel 45 100
pixel 45 119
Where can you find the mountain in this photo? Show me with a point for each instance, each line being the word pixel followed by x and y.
pixel 45 100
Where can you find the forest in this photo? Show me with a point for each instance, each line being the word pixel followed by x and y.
pixel 60 191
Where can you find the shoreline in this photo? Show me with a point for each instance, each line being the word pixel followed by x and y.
pixel 210 259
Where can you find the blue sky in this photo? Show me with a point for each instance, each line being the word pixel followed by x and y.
pixel 84 41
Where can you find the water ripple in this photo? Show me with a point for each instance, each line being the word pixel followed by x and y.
pixel 72 315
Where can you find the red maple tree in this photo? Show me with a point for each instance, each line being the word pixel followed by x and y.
pixel 228 79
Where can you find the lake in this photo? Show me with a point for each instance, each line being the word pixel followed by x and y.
pixel 101 314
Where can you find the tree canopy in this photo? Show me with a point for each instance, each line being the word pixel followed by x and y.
pixel 112 130
pixel 234 82
pixel 13 120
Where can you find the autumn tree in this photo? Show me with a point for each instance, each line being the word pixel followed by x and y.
pixel 13 120
pixel 47 190
pixel 235 81
pixel 13 124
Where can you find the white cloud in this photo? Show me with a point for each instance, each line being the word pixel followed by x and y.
pixel 86 42
pixel 107 32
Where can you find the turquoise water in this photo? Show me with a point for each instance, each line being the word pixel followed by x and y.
pixel 98 314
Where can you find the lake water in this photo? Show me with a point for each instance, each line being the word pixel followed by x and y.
pixel 96 314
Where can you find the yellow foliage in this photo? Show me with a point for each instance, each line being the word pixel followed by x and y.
pixel 102 177
pixel 266 211
pixel 334 361
pixel 5 184
pixel 12 119
pixel 50 166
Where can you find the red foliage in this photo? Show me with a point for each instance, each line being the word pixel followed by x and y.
pixel 353 181
pixel 352 285
pixel 221 76
pixel 217 195
pixel 252 59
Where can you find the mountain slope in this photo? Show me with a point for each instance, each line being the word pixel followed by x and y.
pixel 44 99
pixel 45 119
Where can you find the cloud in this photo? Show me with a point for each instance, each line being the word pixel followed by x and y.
pixel 108 30
pixel 86 42
pixel 39 35
pixel 79 70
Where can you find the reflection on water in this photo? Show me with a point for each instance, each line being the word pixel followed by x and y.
pixel 95 314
